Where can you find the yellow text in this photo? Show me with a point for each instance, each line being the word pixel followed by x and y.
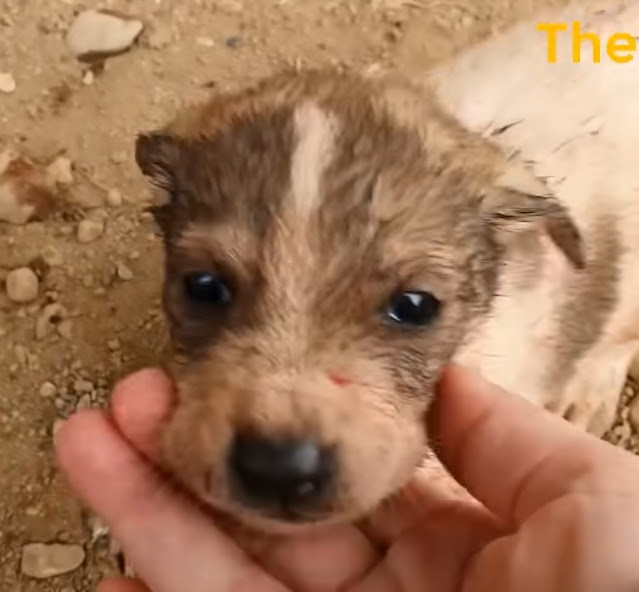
pixel 619 47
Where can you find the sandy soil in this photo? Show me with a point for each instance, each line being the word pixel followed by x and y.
pixel 109 287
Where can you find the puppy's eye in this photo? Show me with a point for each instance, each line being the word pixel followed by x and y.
pixel 207 288
pixel 413 308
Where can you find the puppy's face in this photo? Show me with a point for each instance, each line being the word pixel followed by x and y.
pixel 329 241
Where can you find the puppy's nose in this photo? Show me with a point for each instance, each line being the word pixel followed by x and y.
pixel 288 473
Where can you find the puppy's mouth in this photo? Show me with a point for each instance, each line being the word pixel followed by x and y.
pixel 282 520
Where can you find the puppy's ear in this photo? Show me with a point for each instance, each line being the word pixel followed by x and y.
pixel 520 201
pixel 157 155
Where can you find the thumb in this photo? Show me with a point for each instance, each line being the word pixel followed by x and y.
pixel 512 456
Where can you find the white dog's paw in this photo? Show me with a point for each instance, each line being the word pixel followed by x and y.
pixel 591 398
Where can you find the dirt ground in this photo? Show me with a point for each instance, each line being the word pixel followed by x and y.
pixel 110 319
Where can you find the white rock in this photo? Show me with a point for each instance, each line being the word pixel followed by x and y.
pixel 97 33
pixel 22 285
pixel 7 83
pixel 46 561
pixel 90 230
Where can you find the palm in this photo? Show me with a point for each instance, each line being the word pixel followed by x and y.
pixel 387 554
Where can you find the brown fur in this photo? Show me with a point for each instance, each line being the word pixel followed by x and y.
pixel 408 200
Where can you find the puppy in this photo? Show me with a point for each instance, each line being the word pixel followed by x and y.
pixel 333 241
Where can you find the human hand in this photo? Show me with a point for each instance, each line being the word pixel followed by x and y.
pixel 560 508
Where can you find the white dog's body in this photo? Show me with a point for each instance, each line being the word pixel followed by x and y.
pixel 577 124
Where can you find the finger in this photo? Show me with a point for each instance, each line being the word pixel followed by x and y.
pixel 323 562
pixel 171 544
pixel 140 404
pixel 122 585
pixel 431 490
pixel 511 455
pixel 431 555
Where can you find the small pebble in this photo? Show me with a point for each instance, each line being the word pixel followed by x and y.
pixel 98 528
pixel 83 386
pixel 114 198
pixel 51 256
pixel 623 432
pixel 89 230
pixel 205 42
pixel 60 171
pixel 124 272
pixel 50 314
pixel 48 390
pixel 159 37
pixel 634 368
pixel 233 6
pixel 65 328
pixel 113 344
pixel 118 157
pixel 88 78
pixel 46 561
pixel 7 83
pixel 22 285
pixel 21 353
pixel 633 415
pixel 84 402
pixel 233 42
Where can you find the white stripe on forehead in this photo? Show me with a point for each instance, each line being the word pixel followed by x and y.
pixel 315 133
